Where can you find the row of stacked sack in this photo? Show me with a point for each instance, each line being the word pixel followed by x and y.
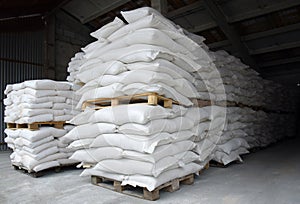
pixel 143 145
pixel 39 101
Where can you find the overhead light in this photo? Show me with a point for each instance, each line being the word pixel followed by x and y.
pixel 298 84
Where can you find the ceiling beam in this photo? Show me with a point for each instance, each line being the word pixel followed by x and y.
pixel 160 5
pixel 264 10
pixel 55 9
pixel 67 19
pixel 183 11
pixel 203 27
pixel 18 25
pixel 280 62
pixel 199 6
pixel 271 32
pixel 230 32
pixel 258 35
pixel 222 43
pixel 190 9
pixel 274 48
pixel 105 10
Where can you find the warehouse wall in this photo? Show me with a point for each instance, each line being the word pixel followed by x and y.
pixel 70 36
pixel 35 48
pixel 21 58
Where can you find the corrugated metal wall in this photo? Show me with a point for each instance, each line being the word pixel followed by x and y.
pixel 21 58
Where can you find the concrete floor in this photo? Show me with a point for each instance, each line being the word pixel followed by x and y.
pixel 268 176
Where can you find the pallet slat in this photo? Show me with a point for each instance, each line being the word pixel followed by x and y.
pixel 150 98
pixel 87 166
pixel 36 125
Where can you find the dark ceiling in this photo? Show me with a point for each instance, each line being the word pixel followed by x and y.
pixel 263 33
pixel 17 8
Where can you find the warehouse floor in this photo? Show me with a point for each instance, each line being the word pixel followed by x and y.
pixel 268 176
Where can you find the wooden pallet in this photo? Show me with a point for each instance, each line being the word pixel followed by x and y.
pixel 150 98
pixel 36 125
pixel 87 166
pixel 205 168
pixel 34 174
pixel 141 192
pixel 201 103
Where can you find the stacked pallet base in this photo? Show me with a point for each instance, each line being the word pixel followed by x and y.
pixel 146 99
pixel 150 98
pixel 34 127
pixel 44 172
pixel 141 192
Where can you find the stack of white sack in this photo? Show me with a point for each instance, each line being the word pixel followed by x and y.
pixel 264 128
pixel 150 54
pixel 233 142
pixel 248 128
pixel 138 144
pixel 211 124
pixel 241 83
pixel 244 85
pixel 228 138
pixel 74 65
pixel 231 86
pixel 39 101
pixel 250 125
pixel 36 150
pixel 73 69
